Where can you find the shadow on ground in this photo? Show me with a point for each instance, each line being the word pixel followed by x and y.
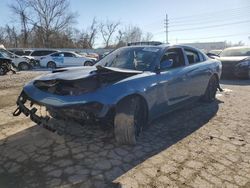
pixel 87 156
pixel 239 82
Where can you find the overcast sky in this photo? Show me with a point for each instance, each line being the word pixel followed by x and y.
pixel 189 21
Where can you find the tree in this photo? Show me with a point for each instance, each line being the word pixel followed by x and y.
pixel 92 32
pixel 132 34
pixel 147 37
pixel 19 7
pixel 107 30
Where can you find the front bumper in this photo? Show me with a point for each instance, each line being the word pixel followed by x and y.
pixel 83 113
pixel 21 108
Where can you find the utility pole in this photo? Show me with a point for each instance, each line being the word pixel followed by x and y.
pixel 166 26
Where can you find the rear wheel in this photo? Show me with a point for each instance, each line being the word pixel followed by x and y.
pixel 210 93
pixel 51 65
pixel 130 118
pixel 23 66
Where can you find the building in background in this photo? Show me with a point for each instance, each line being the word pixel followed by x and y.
pixel 207 46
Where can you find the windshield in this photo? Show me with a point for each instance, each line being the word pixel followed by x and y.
pixel 235 52
pixel 135 58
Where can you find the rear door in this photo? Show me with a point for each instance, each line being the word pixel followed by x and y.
pixel 197 72
pixel 173 83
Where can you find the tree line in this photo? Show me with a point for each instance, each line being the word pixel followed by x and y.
pixel 50 24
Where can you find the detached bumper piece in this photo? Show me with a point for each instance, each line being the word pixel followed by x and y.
pixel 21 108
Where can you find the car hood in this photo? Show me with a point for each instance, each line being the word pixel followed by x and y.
pixel 75 73
pixel 76 81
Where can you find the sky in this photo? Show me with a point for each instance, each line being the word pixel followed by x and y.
pixel 189 20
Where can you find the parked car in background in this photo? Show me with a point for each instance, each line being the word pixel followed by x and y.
pixel 35 56
pixel 128 88
pixel 215 52
pixel 84 54
pixel 65 59
pixel 18 62
pixel 21 52
pixel 235 62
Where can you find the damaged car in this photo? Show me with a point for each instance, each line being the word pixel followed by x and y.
pixel 129 88
pixel 6 66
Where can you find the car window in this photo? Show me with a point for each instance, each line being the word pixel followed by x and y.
pixel 56 54
pixel 175 55
pixel 67 54
pixel 135 58
pixel 193 56
pixel 42 52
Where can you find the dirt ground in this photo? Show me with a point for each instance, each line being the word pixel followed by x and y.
pixel 203 145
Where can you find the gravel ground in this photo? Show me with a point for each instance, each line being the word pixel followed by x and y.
pixel 203 145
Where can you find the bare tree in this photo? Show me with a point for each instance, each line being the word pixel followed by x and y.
pixel 132 34
pixel 91 33
pixel 51 16
pixel 11 37
pixel 147 37
pixel 19 7
pixel 107 30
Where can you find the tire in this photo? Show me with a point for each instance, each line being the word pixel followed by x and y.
pixel 210 93
pixel 130 118
pixel 88 63
pixel 51 65
pixel 23 66
pixel 2 71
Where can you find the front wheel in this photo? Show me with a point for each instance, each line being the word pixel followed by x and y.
pixel 129 120
pixel 23 66
pixel 2 71
pixel 211 90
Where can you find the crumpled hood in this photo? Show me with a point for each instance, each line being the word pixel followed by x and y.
pixel 75 73
pixel 80 80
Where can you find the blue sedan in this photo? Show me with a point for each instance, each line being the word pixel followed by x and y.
pixel 128 88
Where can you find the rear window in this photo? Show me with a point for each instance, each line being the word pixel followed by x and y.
pixel 42 52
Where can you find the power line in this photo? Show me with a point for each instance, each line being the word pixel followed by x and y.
pixel 213 37
pixel 214 20
pixel 210 26
pixel 211 14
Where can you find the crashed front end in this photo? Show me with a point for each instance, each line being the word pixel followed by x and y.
pixel 75 99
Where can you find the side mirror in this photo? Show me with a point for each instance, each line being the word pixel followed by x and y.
pixel 166 64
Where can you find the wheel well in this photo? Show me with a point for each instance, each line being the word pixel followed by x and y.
pixel 23 62
pixel 216 76
pixel 143 100
pixel 51 62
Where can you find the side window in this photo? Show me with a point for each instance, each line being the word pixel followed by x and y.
pixel 175 55
pixel 193 56
pixel 55 54
pixel 67 54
